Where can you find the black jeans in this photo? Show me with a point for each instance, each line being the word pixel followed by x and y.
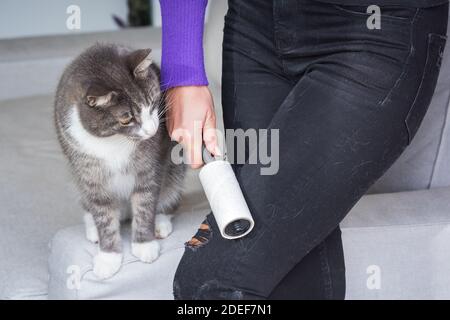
pixel 347 101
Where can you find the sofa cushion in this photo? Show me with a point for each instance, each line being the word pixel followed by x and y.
pixel 396 246
pixel 36 196
pixel 402 238
pixel 71 257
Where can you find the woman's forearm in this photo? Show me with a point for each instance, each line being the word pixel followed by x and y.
pixel 182 43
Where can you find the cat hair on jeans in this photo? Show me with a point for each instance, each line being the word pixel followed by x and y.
pixel 109 117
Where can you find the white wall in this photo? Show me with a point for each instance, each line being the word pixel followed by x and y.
pixel 24 18
pixel 156 13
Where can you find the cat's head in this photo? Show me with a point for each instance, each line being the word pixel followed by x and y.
pixel 121 92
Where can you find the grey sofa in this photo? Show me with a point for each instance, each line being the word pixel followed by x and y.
pixel 396 239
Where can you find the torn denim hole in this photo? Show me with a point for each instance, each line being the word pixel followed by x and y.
pixel 201 237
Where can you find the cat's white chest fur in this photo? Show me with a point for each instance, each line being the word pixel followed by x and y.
pixel 115 152
pixel 122 184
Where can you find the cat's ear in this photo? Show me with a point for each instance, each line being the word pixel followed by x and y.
pixel 139 62
pixel 97 96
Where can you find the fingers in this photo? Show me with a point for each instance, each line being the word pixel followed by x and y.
pixel 210 136
pixel 195 146
pixel 177 135
pixel 191 140
pixel 191 122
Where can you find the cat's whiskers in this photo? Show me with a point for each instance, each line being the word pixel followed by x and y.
pixel 166 108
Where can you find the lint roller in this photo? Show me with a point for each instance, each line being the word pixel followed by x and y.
pixel 225 197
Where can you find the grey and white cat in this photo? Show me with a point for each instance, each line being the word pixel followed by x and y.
pixel 108 113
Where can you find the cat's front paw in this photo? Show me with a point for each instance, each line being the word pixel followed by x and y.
pixel 91 229
pixel 106 264
pixel 163 226
pixel 92 234
pixel 147 251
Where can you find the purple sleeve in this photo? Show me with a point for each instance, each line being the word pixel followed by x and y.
pixel 182 62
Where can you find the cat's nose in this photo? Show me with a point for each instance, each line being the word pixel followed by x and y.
pixel 148 131
pixel 150 123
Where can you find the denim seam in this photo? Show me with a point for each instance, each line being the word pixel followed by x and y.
pixel 419 89
pixel 404 71
pixel 326 272
pixel 388 17
pixel 278 48
pixel 235 77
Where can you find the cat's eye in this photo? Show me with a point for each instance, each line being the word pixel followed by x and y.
pixel 126 119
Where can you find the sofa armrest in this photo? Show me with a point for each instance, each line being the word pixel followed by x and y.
pixel 24 61
pixel 401 209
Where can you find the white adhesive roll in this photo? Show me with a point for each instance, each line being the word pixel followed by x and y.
pixel 225 198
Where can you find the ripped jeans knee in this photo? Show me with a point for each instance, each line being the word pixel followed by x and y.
pixel 196 277
pixel 201 238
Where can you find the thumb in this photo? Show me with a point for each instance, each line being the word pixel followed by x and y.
pixel 210 136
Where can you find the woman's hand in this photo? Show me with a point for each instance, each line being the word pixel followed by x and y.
pixel 191 121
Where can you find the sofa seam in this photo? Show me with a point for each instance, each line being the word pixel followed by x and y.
pixel 441 140
pixel 401 226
